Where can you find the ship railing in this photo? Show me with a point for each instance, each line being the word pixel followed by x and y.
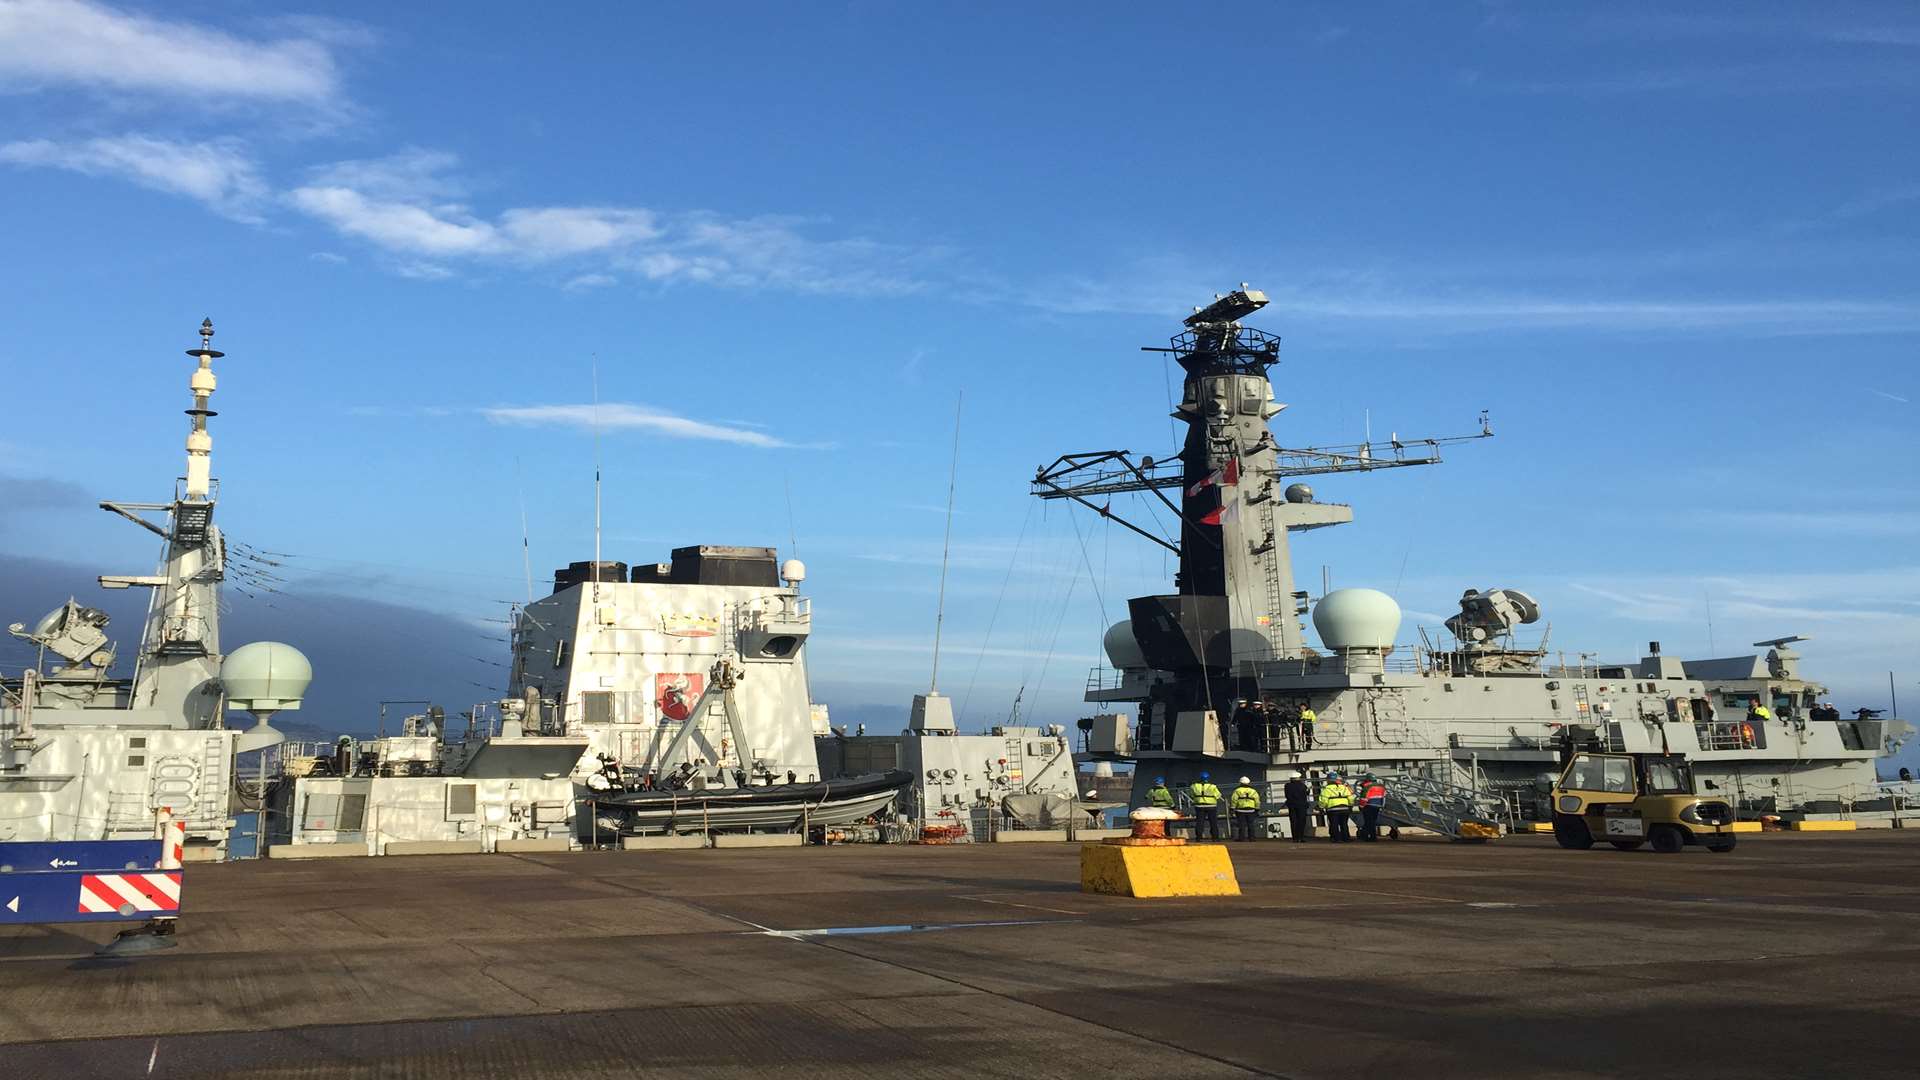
pixel 780 608
pixel 1267 662
pixel 1100 679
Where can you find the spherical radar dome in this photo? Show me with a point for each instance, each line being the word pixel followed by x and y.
pixel 1357 619
pixel 794 571
pixel 265 676
pixel 1123 651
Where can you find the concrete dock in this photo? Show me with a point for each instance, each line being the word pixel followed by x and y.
pixel 1797 955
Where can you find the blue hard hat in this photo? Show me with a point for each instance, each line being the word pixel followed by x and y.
pixel 1159 779
pixel 1206 776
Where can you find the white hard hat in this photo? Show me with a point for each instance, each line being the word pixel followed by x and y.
pixel 1244 780
pixel 1297 776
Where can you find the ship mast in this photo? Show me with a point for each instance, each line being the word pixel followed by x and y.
pixel 1235 583
pixel 179 662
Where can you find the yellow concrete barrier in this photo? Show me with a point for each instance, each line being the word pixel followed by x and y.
pixel 1744 826
pixel 1820 826
pixel 1187 870
pixel 1533 826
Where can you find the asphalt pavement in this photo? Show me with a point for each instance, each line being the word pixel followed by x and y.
pixel 1795 955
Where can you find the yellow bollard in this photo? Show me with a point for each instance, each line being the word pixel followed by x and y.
pixel 1149 864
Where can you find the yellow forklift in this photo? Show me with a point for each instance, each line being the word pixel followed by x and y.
pixel 1629 800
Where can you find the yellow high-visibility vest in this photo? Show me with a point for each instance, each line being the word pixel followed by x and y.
pixel 1245 798
pixel 1204 794
pixel 1336 796
pixel 1160 796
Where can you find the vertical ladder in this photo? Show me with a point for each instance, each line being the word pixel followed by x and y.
pixel 1270 564
pixel 213 772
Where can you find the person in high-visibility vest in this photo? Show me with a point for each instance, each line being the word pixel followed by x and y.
pixel 1245 804
pixel 1206 808
pixel 1336 801
pixel 1160 795
pixel 1372 796
pixel 1307 718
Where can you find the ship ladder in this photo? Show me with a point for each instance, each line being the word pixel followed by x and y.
pixel 1449 809
pixel 1270 564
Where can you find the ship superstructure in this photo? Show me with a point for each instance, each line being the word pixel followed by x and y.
pixel 669 698
pixel 86 754
pixel 1217 671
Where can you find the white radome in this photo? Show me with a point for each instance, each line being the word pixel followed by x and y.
pixel 265 676
pixel 1357 619
pixel 1123 652
pixel 794 571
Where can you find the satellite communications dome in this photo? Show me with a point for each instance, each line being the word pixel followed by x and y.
pixel 265 676
pixel 1122 650
pixel 1357 619
pixel 794 571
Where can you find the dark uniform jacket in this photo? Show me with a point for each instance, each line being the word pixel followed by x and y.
pixel 1297 795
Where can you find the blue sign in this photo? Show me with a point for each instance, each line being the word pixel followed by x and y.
pixel 58 897
pixel 60 856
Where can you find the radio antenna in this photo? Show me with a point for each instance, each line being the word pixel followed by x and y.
pixel 526 550
pixel 596 479
pixel 946 547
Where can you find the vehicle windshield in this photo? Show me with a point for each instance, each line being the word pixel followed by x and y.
pixel 1591 772
pixel 1666 776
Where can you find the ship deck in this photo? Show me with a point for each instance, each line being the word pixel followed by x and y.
pixel 1795 955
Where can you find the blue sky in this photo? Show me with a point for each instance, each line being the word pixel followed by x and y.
pixel 1669 248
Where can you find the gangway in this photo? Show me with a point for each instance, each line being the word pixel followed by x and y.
pixel 1462 813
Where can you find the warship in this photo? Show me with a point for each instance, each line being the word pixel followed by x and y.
pixel 1215 673
pixel 86 754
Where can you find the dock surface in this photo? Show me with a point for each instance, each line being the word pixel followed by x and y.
pixel 1796 955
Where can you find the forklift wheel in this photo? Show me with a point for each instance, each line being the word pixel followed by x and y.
pixel 1725 843
pixel 1667 839
pixel 1627 845
pixel 1571 833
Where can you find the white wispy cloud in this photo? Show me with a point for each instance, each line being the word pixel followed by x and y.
pixel 101 48
pixel 590 281
pixel 218 173
pixel 1888 396
pixel 616 416
pixel 414 204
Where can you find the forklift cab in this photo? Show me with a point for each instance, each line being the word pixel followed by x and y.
pixel 1632 799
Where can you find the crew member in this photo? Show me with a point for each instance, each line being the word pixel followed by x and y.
pixel 1245 804
pixel 1307 719
pixel 1336 801
pixel 1373 802
pixel 1287 716
pixel 1206 808
pixel 1299 808
pixel 1159 795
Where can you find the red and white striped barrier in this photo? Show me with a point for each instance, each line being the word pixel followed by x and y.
pixel 157 892
pixel 173 840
